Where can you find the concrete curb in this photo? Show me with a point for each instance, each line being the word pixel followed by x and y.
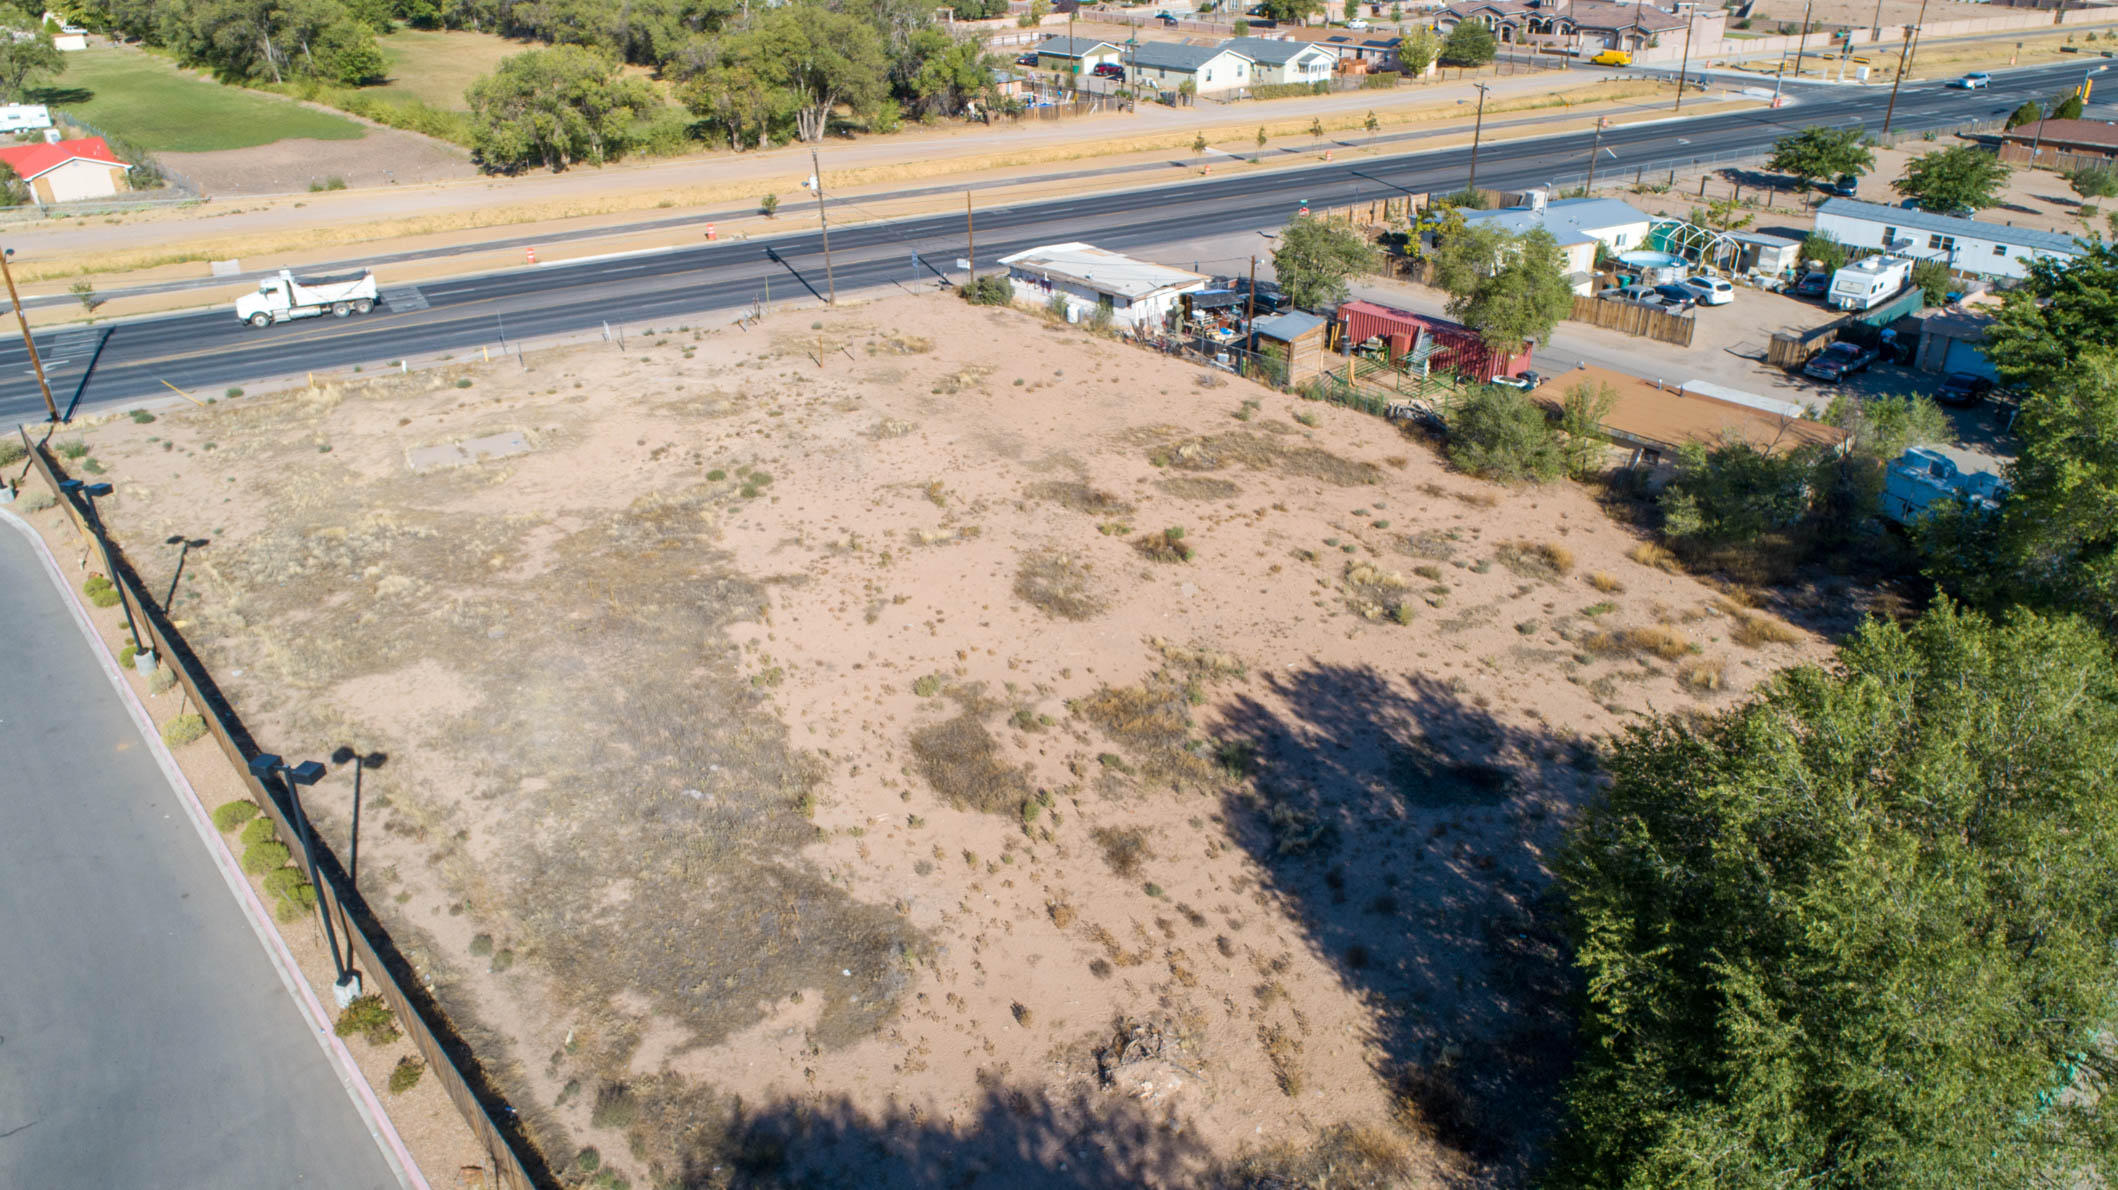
pixel 355 1083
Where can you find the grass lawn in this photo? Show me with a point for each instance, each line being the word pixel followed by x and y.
pixel 146 100
pixel 437 66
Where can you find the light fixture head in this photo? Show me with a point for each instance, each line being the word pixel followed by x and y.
pixel 308 772
pixel 98 489
pixel 263 764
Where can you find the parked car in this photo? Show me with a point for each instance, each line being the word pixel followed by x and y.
pixel 1814 285
pixel 1977 80
pixel 1526 381
pixel 1612 58
pixel 1838 361
pixel 1845 186
pixel 1026 60
pixel 1710 291
pixel 1678 298
pixel 1166 17
pixel 1962 388
pixel 1356 24
pixel 1109 70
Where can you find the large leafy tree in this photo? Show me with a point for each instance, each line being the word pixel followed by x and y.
pixel 1857 933
pixel 1953 179
pixel 553 108
pixel 2062 308
pixel 1502 434
pixel 1816 153
pixel 1315 258
pixel 815 58
pixel 1510 289
pixel 2059 525
pixel 1470 43
pixel 19 60
pixel 1292 11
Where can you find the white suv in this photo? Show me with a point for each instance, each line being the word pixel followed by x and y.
pixel 1977 80
pixel 1712 291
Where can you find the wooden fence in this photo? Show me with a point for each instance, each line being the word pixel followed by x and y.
pixel 2052 159
pixel 1643 321
pixel 383 969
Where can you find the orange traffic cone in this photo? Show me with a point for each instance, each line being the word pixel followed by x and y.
pixel 531 253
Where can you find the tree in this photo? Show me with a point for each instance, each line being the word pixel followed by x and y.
pixel 1736 492
pixel 2068 108
pixel 2028 113
pixel 1470 43
pixel 1933 277
pixel 769 205
pixel 1816 153
pixel 1293 12
pixel 1950 180
pixel 1722 214
pixel 1314 259
pixel 1500 434
pixel 1417 50
pixel 1371 123
pixel 1856 933
pixel 1829 254
pixel 945 75
pixel 2064 307
pixel 1316 129
pixel 1261 136
pixel 2058 532
pixel 13 191
pixel 2092 181
pixel 739 97
pixel 817 57
pixel 21 59
pixel 1350 9
pixel 1198 143
pixel 1510 289
pixel 553 108
pixel 1581 425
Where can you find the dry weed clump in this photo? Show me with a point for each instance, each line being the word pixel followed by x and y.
pixel 1536 559
pixel 1153 720
pixel 1124 850
pixel 1200 487
pixel 1167 546
pixel 1343 1155
pixel 1373 593
pixel 1080 497
pixel 1263 452
pixel 1705 674
pixel 1755 630
pixel 1660 640
pixel 1058 585
pixel 962 761
pixel 1606 582
pixel 1648 554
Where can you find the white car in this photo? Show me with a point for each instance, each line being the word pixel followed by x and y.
pixel 1977 80
pixel 1712 291
pixel 1356 23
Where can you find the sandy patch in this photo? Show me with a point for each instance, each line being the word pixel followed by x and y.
pixel 966 746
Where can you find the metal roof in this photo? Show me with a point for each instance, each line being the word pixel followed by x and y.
pixel 1167 55
pixel 1950 225
pixel 1570 220
pixel 1270 51
pixel 1072 47
pixel 1103 270
pixel 1287 327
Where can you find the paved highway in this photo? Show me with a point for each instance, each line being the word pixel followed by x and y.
pixel 145 1038
pixel 208 350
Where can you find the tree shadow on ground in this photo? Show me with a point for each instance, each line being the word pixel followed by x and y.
pixel 1410 832
pixel 57 96
pixel 1014 1138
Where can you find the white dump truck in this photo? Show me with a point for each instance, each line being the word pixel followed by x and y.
pixel 286 296
pixel 1866 284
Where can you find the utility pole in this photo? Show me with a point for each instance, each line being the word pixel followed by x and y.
pixel 27 341
pixel 1875 27
pixel 1801 43
pixel 1588 190
pixel 1691 17
pixel 823 221
pixel 1904 64
pixel 1477 130
pixel 1250 309
pixel 970 237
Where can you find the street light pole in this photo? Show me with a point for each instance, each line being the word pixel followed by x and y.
pixel 823 221
pixel 264 766
pixel 1477 130
pixel 110 566
pixel 34 362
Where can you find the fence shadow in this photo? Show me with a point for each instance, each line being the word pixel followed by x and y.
pixel 1409 832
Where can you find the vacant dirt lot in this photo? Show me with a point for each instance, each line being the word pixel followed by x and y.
pixel 938 746
pixel 384 157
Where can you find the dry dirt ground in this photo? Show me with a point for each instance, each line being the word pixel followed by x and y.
pixel 384 157
pixel 819 758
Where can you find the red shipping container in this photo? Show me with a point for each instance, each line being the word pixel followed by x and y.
pixel 1459 349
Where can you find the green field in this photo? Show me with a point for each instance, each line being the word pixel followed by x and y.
pixel 147 101
pixel 437 66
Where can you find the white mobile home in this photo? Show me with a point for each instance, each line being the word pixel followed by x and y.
pixel 1167 66
pixel 1277 62
pixel 1138 294
pixel 1969 246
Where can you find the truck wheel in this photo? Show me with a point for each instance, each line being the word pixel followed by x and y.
pixel 261 320
pixel 363 306
pixel 340 309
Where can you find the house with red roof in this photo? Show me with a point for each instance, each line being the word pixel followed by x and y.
pixel 68 170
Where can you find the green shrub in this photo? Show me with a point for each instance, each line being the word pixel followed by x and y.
pixel 259 830
pixel 989 290
pixel 125 656
pixel 141 417
pixel 94 583
pixel 162 681
pixel 1501 434
pixel 11 452
pixel 234 393
pixel 616 1107
pixel 73 449
pixel 369 1017
pixel 482 945
pixel 405 1075
pixel 229 815
pixel 260 858
pixel 35 500
pixel 502 960
pixel 463 382
pixel 588 1160
pixel 288 882
pixel 183 729
pixel 104 597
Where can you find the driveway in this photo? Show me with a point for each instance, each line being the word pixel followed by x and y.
pixel 145 1038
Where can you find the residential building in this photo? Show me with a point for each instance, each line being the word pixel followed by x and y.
pixel 1765 255
pixel 67 38
pixel 1356 52
pixel 1076 55
pixel 1275 61
pixel 24 117
pixel 1579 26
pixel 1969 246
pixel 2043 139
pixel 1139 294
pixel 1296 338
pixel 68 170
pixel 1210 69
pixel 1577 224
pixel 1429 346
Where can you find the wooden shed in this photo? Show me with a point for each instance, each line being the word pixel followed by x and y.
pixel 1296 337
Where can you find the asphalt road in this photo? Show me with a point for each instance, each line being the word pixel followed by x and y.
pixel 208 350
pixel 145 1039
